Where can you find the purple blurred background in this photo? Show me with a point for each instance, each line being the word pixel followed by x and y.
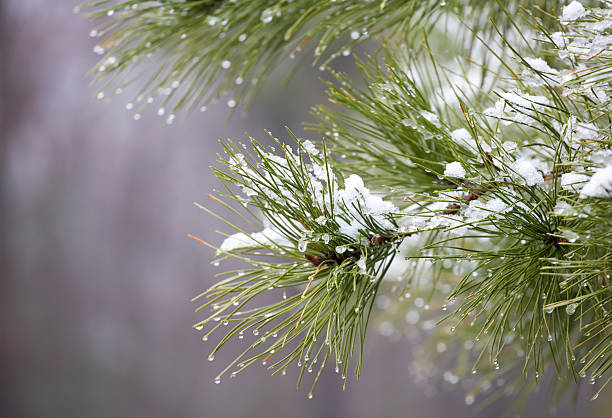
pixel 96 272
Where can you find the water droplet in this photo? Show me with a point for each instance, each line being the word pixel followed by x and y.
pixel 469 400
pixel 161 111
pixel 355 35
pixel 217 380
pixel 549 309
pixel 93 33
pixel 110 13
pixel 267 15
pixel 310 396
pixel 255 331
pixel 137 116
pixel 239 81
pixel 231 103
pixel 570 309
pixel 550 337
pixel 211 357
pixel 226 64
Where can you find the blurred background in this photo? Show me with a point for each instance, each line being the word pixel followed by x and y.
pixel 96 272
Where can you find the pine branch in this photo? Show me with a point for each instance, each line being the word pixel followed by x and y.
pixel 490 165
pixel 188 54
pixel 192 53
pixel 526 182
pixel 328 246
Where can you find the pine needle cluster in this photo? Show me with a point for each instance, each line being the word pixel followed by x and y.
pixel 472 160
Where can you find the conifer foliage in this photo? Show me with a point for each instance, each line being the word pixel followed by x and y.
pixel 471 165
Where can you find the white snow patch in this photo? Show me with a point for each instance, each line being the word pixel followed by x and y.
pixel 527 172
pixel 463 137
pixel 540 65
pixel 505 107
pixel 431 117
pixel 268 236
pixel 356 194
pixel 562 208
pixel 524 100
pixel 573 181
pixel 361 263
pixel 530 78
pixel 600 184
pixel 574 10
pixel 478 210
pixel 310 148
pixel 454 169
pixel 602 157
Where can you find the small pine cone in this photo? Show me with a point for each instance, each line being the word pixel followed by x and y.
pixel 315 260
